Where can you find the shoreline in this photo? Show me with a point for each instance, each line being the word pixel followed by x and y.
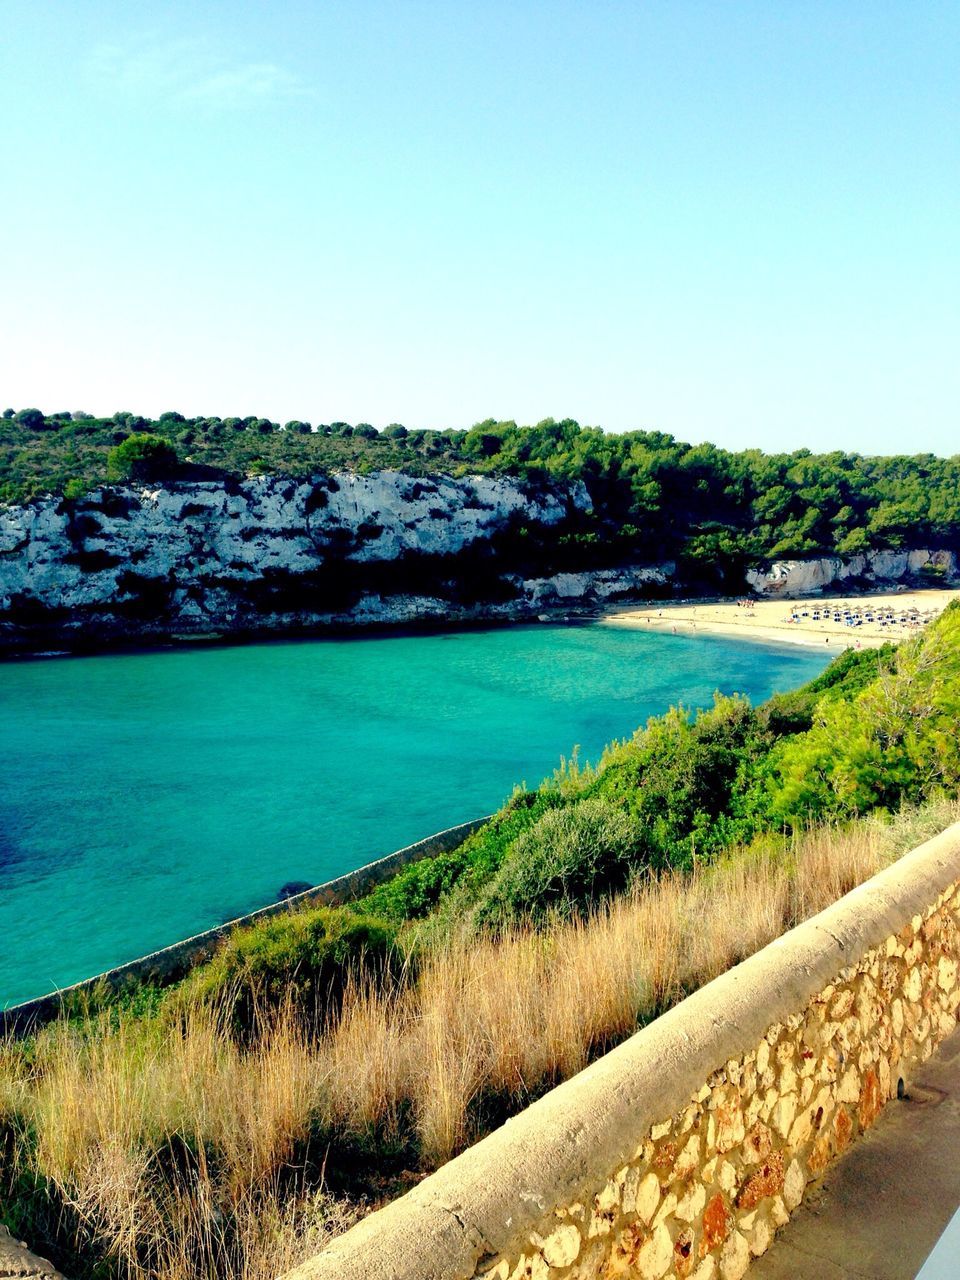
pixel 770 620
pixel 745 618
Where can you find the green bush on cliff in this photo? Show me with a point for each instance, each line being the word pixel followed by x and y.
pixel 681 778
pixel 893 742
pixel 142 456
pixel 416 890
pixel 847 674
pixel 712 511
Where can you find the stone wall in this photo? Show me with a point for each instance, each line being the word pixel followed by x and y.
pixel 171 962
pixel 681 1152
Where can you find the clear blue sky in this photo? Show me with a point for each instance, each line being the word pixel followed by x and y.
pixel 731 221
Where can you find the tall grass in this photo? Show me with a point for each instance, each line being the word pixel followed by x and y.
pixel 170 1149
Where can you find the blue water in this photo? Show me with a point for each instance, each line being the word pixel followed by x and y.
pixel 146 797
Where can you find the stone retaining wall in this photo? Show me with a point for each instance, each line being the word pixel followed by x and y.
pixel 171 962
pixel 681 1152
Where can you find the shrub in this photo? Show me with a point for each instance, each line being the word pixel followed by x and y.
pixel 681 778
pixel 568 859
pixel 893 742
pixel 417 888
pixel 456 879
pixel 142 456
pixel 31 418
pixel 304 957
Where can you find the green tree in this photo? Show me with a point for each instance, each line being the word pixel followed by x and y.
pixel 31 418
pixel 142 456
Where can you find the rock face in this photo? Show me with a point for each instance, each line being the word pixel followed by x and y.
pixel 274 554
pixel 807 577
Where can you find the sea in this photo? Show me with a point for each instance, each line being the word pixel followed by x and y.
pixel 145 797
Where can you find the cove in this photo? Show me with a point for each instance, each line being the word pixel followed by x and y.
pixel 145 797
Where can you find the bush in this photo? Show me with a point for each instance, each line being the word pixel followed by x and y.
pixel 683 780
pixel 568 859
pixel 417 888
pixel 31 418
pixel 302 956
pixel 142 456
pixel 891 743
pixel 457 878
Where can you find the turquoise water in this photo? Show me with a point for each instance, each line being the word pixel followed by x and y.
pixel 146 797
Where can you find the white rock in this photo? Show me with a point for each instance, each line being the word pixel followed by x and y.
pixel 793 1185
pixel 808 577
pixel 201 544
pixel 561 1247
pixel 691 1204
pixel 648 1197
pixel 735 1257
pixel 656 1255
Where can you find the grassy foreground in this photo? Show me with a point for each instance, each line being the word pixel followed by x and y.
pixel 161 1145
pixel 324 1061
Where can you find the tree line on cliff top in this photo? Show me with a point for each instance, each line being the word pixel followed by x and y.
pixel 654 496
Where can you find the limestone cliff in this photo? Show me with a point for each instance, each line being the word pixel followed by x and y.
pixel 808 577
pixel 281 555
pixel 276 555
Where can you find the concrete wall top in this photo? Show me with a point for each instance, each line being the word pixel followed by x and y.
pixel 562 1146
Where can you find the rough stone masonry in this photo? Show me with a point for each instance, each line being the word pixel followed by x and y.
pixel 649 1165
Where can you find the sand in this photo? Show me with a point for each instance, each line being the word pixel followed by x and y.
pixel 768 620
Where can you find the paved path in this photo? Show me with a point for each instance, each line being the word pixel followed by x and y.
pixel 17 1260
pixel 881 1209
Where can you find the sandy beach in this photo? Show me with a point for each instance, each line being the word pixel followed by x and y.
pixel 841 621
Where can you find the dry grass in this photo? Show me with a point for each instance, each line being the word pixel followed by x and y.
pixel 179 1153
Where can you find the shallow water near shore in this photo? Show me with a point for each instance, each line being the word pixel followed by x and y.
pixel 145 797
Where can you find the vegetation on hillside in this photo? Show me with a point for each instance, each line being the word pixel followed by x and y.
pixel 654 497
pixel 876 731
pixel 324 1059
